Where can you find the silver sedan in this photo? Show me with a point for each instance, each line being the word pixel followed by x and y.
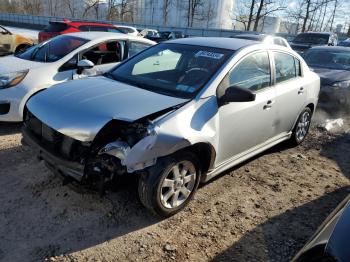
pixel 176 114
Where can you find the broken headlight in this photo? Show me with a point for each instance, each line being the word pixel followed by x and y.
pixel 12 79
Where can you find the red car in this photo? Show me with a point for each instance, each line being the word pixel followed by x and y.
pixel 65 27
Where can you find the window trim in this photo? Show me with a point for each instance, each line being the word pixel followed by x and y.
pixel 272 51
pixel 272 85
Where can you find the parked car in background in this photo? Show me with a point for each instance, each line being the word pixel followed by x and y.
pixel 304 41
pixel 176 114
pixel 268 39
pixel 331 240
pixel 128 30
pixel 345 43
pixel 332 64
pixel 60 59
pixel 166 35
pixel 13 43
pixel 288 37
pixel 56 28
pixel 147 33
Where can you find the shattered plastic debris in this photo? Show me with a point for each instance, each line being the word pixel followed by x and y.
pixel 333 123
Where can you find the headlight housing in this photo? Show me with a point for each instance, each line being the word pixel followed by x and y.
pixel 342 84
pixel 12 79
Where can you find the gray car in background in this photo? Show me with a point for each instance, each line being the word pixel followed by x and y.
pixel 176 114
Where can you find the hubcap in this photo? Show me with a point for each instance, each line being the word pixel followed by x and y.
pixel 178 184
pixel 303 126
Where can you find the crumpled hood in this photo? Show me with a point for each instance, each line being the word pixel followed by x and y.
pixel 9 64
pixel 330 76
pixel 80 108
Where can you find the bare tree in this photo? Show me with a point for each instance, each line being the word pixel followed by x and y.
pixel 193 8
pixel 265 8
pixel 251 11
pixel 166 9
pixel 71 6
pixel 209 14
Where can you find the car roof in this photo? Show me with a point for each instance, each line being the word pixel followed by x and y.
pixel 330 48
pixel 318 33
pixel 78 23
pixel 107 35
pixel 217 42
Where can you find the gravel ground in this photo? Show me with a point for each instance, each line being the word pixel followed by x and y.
pixel 263 210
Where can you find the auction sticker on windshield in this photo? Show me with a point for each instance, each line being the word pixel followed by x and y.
pixel 212 55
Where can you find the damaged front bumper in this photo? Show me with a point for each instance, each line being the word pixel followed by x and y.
pixel 57 164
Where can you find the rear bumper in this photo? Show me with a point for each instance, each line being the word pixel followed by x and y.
pixel 55 163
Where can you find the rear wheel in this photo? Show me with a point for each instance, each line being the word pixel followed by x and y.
pixel 169 186
pixel 302 127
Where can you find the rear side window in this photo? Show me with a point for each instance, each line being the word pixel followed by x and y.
pixel 253 73
pixel 136 47
pixel 55 27
pixel 287 67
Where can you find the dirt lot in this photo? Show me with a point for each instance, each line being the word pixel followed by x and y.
pixel 263 210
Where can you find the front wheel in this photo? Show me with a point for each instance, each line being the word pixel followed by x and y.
pixel 169 186
pixel 302 127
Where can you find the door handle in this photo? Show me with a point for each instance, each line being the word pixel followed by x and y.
pixel 269 104
pixel 301 91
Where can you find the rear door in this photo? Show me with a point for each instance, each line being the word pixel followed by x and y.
pixel 290 90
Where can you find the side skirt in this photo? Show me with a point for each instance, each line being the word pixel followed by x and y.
pixel 245 156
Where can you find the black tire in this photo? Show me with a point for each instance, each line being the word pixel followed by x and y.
pixel 297 138
pixel 150 183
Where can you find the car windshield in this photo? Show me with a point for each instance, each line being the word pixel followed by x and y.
pixel 172 69
pixel 331 59
pixel 312 39
pixel 53 50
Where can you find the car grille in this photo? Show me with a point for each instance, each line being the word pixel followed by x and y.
pixel 53 141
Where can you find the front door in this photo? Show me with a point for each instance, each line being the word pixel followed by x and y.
pixel 244 125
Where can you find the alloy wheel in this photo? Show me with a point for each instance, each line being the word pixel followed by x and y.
pixel 303 126
pixel 178 184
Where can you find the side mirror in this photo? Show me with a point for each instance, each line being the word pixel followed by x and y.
pixel 237 94
pixel 84 64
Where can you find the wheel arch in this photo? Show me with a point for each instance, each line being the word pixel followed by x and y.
pixel 21 45
pixel 205 152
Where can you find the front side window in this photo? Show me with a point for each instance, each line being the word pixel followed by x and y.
pixel 137 47
pixel 252 73
pixel 287 67
pixel 105 53
pixel 54 49
pixel 172 69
